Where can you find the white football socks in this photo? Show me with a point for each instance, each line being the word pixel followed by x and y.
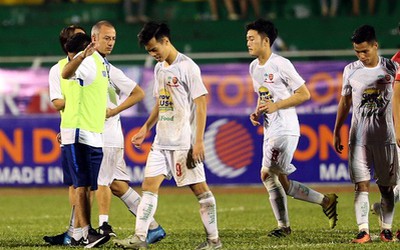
pixel 278 200
pixel 145 212
pixel 208 214
pixel 301 192
pixel 103 218
pixel 131 199
pixel 361 205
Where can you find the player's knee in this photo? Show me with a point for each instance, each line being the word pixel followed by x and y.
pixel 264 174
pixel 386 191
pixel 362 186
pixel 271 182
pixel 199 188
pixel 206 200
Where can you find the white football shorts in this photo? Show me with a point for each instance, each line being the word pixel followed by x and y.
pixel 381 160
pixel 113 167
pixel 278 154
pixel 172 163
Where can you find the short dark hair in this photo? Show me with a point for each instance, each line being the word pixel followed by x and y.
pixel 264 28
pixel 77 43
pixel 365 33
pixel 66 33
pixel 153 29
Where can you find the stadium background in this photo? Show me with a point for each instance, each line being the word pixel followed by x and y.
pixel 319 48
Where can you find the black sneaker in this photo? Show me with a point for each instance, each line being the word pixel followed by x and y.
pixel 386 235
pixel 280 232
pixel 76 243
pixel 106 229
pixel 94 239
pixel 62 239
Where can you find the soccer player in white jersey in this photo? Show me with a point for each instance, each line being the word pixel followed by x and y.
pixel 280 88
pixel 112 175
pixel 368 89
pixel 178 147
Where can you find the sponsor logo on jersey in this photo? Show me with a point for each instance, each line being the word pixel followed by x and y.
pixel 165 101
pixel 371 102
pixel 264 94
pixel 166 118
pixel 229 148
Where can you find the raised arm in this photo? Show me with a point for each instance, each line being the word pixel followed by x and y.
pixel 72 66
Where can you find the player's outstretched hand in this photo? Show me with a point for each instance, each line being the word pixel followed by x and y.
pixel 90 49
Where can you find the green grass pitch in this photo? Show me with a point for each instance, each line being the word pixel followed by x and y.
pixel 244 218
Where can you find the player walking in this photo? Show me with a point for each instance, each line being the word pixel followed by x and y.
pixel 280 89
pixel 368 88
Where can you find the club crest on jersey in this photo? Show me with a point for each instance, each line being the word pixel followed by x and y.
pixel 104 73
pixel 268 78
pixel 384 79
pixel 172 81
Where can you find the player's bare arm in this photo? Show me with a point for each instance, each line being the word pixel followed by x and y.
pixel 58 104
pixel 201 114
pixel 299 96
pixel 138 138
pixel 72 66
pixel 342 112
pixel 396 110
pixel 255 116
pixel 134 97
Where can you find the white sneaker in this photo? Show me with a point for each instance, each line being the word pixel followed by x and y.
pixel 210 245
pixel 132 242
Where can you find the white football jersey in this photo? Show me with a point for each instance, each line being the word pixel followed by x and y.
pixel 276 80
pixel 371 90
pixel 119 84
pixel 176 86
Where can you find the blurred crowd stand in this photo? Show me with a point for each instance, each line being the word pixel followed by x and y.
pixel 135 11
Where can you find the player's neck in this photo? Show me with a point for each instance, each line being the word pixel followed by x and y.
pixel 171 57
pixel 263 57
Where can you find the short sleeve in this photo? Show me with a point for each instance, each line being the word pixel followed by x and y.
pixel 55 83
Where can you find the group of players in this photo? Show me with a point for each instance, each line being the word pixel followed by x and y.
pixel 85 87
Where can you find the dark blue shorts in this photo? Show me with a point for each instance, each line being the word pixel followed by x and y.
pixel 67 179
pixel 84 164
